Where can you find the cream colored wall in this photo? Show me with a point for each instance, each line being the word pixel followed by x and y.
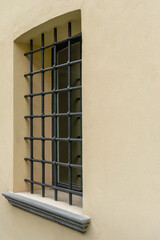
pixel 121 118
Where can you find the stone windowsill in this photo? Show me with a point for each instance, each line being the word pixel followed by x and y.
pixel 44 209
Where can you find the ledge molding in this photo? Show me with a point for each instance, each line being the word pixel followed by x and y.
pixel 63 217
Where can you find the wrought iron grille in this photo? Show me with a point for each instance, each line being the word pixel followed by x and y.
pixel 73 93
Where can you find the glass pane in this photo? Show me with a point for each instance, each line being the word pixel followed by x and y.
pixel 62 56
pixel 62 127
pixel 62 78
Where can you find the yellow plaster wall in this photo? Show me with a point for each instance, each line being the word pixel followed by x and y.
pixel 121 118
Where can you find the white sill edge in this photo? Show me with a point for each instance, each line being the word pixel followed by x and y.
pixel 59 215
pixel 59 204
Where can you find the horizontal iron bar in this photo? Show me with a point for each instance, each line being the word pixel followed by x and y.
pixel 54 139
pixel 74 187
pixel 53 91
pixel 53 44
pixel 54 115
pixel 53 162
pixel 53 67
pixel 55 187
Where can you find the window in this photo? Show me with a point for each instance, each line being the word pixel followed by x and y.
pixel 52 107
pixel 55 118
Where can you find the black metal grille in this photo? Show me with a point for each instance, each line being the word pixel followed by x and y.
pixel 64 186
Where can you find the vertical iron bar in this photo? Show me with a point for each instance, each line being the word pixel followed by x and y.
pixel 31 113
pixel 52 112
pixel 69 117
pixel 42 111
pixel 54 120
pixel 81 115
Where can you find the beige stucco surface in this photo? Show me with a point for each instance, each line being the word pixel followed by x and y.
pixel 121 118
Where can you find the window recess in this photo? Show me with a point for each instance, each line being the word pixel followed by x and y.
pixel 58 111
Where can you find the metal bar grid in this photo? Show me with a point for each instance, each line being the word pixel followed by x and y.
pixel 64 187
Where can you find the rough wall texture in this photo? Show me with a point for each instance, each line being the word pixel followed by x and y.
pixel 121 118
